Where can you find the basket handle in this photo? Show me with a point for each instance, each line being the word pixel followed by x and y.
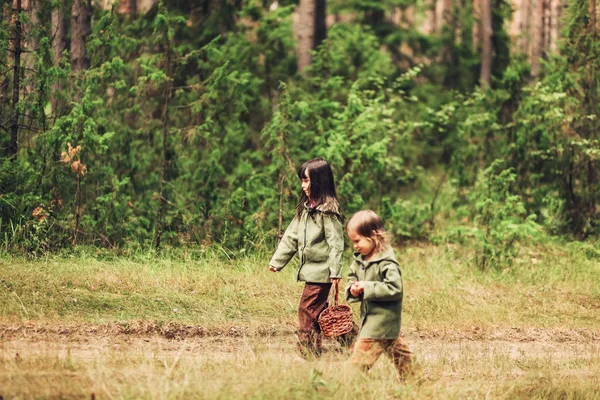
pixel 336 283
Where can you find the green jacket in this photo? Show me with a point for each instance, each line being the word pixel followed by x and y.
pixel 381 301
pixel 318 239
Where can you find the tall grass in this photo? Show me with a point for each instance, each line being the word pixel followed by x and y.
pixel 550 288
pixel 526 332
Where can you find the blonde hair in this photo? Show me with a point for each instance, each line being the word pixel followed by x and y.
pixel 368 224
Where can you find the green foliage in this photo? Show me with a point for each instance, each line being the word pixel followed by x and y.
pixel 406 219
pixel 16 185
pixel 554 144
pixel 501 218
pixel 201 117
pixel 24 219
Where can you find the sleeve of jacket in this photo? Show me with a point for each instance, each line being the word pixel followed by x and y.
pixel 334 235
pixel 351 279
pixel 288 246
pixel 389 289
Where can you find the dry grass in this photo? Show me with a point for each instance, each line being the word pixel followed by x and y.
pixel 221 368
pixel 222 329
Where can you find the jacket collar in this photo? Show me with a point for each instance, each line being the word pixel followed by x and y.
pixel 387 254
pixel 331 206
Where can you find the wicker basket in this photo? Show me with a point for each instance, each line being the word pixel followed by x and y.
pixel 336 320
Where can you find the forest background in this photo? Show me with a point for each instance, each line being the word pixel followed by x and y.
pixel 153 125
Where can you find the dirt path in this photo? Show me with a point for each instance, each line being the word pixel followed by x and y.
pixel 226 348
pixel 179 331
pixel 168 361
pixel 87 342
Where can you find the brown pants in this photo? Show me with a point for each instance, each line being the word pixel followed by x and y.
pixel 312 303
pixel 367 351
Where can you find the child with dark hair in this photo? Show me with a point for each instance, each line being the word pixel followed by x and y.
pixel 316 235
pixel 376 281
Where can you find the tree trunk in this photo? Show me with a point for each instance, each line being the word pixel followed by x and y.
pixel 447 11
pixel 4 78
pixel 428 26
pixel 516 24
pixel 524 41
pixel 592 178
pixel 443 14
pixel 547 22
pixel 556 13
pixel 58 48
pixel 485 76
pixel 17 34
pixel 81 28
pixel 30 41
pixel 58 35
pixel 394 16
pixel 408 18
pixel 476 28
pixel 538 38
pixel 320 23
pixel 403 18
pixel 438 11
pixel 593 10
pixel 450 39
pixel 127 7
pixel 35 8
pixel 311 30
pixel 166 159
pixel 143 6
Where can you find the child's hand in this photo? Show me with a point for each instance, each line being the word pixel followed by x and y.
pixel 357 288
pixel 272 268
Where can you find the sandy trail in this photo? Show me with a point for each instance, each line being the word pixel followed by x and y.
pixel 90 342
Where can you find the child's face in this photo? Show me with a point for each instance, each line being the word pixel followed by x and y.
pixel 306 184
pixel 363 245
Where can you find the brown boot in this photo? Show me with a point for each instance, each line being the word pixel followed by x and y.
pixel 309 344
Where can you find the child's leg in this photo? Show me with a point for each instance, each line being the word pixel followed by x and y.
pixel 366 352
pixel 312 302
pixel 403 358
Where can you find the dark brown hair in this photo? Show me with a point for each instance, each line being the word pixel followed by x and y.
pixel 322 186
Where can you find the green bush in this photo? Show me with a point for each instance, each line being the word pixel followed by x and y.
pixel 502 222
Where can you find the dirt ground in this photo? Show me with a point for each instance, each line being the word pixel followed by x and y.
pixel 87 341
pixel 138 361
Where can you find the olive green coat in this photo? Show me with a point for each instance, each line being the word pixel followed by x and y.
pixel 381 301
pixel 318 240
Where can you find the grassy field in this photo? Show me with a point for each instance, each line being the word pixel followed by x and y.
pixel 219 327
